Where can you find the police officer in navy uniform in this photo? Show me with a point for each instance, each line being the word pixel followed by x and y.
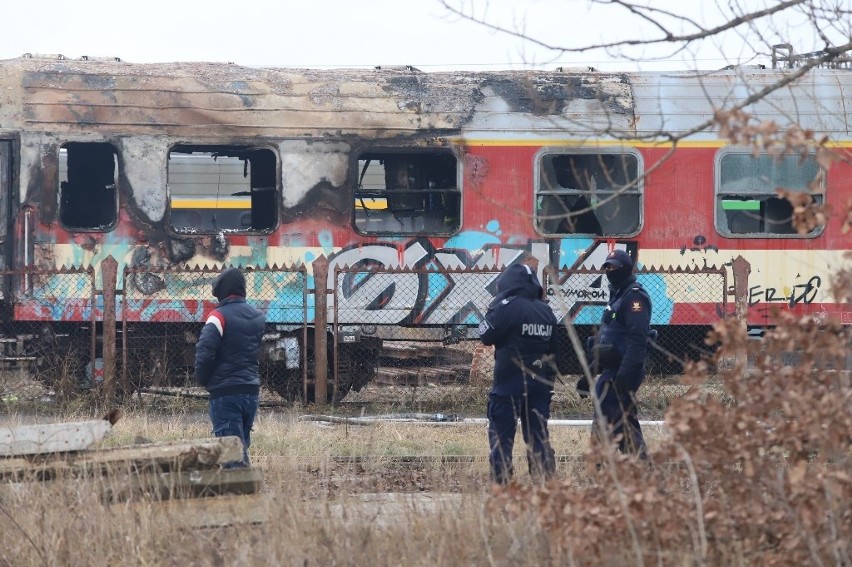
pixel 619 352
pixel 521 327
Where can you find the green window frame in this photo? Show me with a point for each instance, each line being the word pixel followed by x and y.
pixel 747 203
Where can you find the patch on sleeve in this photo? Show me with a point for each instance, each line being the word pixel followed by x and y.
pixel 483 326
pixel 215 318
pixel 636 306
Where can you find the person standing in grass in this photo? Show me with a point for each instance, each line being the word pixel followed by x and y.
pixel 227 360
pixel 521 326
pixel 619 351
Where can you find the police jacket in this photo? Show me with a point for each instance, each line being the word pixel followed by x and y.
pixel 625 326
pixel 226 355
pixel 521 327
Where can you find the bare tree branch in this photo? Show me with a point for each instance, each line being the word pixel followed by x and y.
pixel 641 11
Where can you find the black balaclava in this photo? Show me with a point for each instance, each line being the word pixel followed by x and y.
pixel 622 266
pixel 230 282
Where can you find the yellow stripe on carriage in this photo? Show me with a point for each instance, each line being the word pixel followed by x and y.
pixel 211 204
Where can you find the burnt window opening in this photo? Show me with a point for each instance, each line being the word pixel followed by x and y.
pixel 589 193
pixel 88 200
pixel 222 189
pixel 407 193
pixel 747 204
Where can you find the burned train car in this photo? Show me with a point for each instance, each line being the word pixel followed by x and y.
pixel 170 169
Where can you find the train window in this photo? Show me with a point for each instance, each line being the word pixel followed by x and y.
pixel 222 188
pixel 88 200
pixel 582 192
pixel 407 193
pixel 746 202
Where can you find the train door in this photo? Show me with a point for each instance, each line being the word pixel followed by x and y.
pixel 5 237
pixel 5 198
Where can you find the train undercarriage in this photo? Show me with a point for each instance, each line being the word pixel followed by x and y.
pixel 66 359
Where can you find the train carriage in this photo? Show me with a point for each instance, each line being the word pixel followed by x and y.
pixel 179 166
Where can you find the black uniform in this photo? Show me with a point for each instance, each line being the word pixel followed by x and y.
pixel 520 326
pixel 620 352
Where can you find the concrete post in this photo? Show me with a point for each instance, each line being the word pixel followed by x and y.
pixel 741 270
pixel 109 271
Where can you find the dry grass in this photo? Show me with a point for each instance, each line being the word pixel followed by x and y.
pixel 340 494
pixel 334 493
pixel 773 491
pixel 316 532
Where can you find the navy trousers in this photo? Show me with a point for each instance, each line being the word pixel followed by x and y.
pixel 618 406
pixel 533 411
pixel 234 415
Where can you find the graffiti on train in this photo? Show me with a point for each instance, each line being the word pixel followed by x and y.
pixel 431 293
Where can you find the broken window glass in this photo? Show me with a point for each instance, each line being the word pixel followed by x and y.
pixel 407 193
pixel 222 188
pixel 589 193
pixel 88 200
pixel 746 200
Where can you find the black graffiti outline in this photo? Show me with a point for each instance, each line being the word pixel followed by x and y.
pixel 423 307
pixel 800 293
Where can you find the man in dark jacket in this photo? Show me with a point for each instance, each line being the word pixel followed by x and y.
pixel 226 359
pixel 520 326
pixel 619 352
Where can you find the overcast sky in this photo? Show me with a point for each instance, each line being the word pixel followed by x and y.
pixel 365 33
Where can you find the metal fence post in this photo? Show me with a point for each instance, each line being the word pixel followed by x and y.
pixel 125 381
pixel 335 347
pixel 93 339
pixel 320 267
pixel 303 272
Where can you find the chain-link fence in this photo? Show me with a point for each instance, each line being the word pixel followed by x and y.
pixel 163 310
pixel 685 303
pixel 50 347
pixel 424 322
pixel 404 337
pixel 427 319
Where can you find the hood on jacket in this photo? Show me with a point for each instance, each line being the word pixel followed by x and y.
pixel 520 280
pixel 230 282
